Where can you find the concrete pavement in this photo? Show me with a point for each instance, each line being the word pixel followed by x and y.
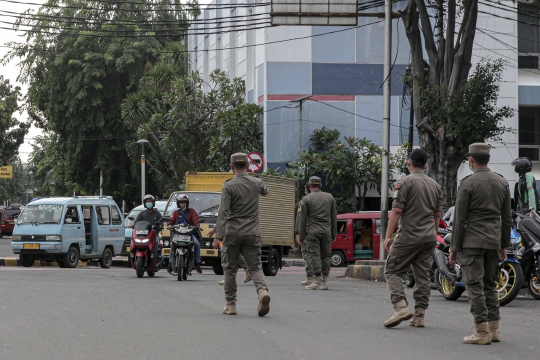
pixel 92 313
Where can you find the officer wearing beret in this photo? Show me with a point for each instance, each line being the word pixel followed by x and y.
pixel 417 207
pixel 318 227
pixel 238 227
pixel 481 233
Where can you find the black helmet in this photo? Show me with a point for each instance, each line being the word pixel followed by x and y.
pixel 182 198
pixel 150 197
pixel 522 165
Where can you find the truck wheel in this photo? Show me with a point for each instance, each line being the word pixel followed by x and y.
pixel 26 260
pixel 271 267
pixel 218 269
pixel 71 258
pixel 337 259
pixel 106 259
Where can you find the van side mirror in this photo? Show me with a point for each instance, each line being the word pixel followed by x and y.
pixel 131 218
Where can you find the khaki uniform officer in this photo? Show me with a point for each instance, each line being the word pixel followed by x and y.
pixel 481 232
pixel 417 206
pixel 318 227
pixel 303 248
pixel 238 226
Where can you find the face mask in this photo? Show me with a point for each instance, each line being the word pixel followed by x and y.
pixel 470 167
pixel 149 205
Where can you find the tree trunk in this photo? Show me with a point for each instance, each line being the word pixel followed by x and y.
pixel 363 191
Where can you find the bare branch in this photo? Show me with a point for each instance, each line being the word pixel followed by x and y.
pixel 429 40
pixel 450 36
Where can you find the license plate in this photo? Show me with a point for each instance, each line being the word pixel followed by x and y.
pixel 31 246
pixel 11 222
pixel 127 249
pixel 166 251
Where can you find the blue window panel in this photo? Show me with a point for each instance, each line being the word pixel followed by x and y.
pixel 250 97
pixel 206 17
pixel 316 115
pixel 354 79
pixel 218 10
pixel 289 78
pixel 529 95
pixel 369 123
pixel 281 132
pixel 333 48
pixel 260 80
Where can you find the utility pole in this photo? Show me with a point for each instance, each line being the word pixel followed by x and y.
pixel 411 126
pixel 300 101
pixel 143 168
pixel 101 184
pixel 386 123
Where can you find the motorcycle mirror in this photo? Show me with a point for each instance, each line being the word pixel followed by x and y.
pixel 131 218
pixel 148 227
pixel 165 219
pixel 201 221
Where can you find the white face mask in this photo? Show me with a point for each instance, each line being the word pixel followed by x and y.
pixel 470 166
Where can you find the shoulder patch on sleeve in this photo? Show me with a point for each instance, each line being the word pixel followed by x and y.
pixel 499 174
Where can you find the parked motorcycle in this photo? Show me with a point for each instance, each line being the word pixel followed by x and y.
pixel 182 247
pixel 449 279
pixel 144 239
pixel 527 250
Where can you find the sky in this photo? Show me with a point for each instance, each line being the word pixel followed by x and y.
pixel 11 70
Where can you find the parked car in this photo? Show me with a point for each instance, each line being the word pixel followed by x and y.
pixel 7 219
pixel 160 206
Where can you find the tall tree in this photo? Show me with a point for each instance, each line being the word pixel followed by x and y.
pixel 446 98
pixel 81 59
pixel 12 131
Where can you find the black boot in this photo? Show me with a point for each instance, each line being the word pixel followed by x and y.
pixel 198 268
pixel 169 268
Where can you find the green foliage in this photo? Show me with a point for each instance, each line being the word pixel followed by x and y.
pixel 12 131
pixel 192 124
pixel 79 74
pixel 470 114
pixel 13 190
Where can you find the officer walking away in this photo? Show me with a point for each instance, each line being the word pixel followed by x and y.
pixel 317 228
pixel 525 194
pixel 238 229
pixel 481 233
pixel 303 248
pixel 417 207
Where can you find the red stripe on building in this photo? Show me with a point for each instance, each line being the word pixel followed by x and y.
pixel 260 99
pixel 290 97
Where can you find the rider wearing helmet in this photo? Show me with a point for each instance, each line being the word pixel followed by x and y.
pixel 151 214
pixel 186 215
pixel 525 193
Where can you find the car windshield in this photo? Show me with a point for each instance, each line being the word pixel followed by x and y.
pixel 204 203
pixel 11 213
pixel 41 214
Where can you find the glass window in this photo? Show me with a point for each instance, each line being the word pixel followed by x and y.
pixel 103 215
pixel 529 132
pixel 342 226
pixel 377 226
pixel 206 204
pixel 41 214
pixel 72 215
pixel 116 218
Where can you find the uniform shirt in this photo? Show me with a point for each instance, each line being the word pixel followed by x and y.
pixel 318 215
pixel 297 222
pixel 153 217
pixel 239 209
pixel 420 197
pixel 483 216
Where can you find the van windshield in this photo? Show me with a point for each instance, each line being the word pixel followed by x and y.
pixel 41 214
pixel 206 204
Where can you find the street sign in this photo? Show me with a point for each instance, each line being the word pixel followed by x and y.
pixel 314 12
pixel 256 162
pixel 6 172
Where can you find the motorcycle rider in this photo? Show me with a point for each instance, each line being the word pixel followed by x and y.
pixel 186 215
pixel 152 215
pixel 525 193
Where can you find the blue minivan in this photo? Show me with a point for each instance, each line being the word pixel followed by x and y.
pixel 69 229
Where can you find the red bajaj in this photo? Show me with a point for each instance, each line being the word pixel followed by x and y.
pixel 142 251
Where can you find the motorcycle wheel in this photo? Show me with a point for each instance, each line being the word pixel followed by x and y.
pixel 139 267
pixel 151 273
pixel 534 287
pixel 179 268
pixel 184 274
pixel 449 290
pixel 408 278
pixel 509 282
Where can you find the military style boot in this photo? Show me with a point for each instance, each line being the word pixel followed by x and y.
pixel 308 281
pixel 317 284
pixel 418 318
pixel 481 336
pixel 494 331
pixel 221 282
pixel 325 282
pixel 248 278
pixel 230 308
pixel 264 302
pixel 402 313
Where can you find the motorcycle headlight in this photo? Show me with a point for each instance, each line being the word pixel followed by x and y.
pixel 16 237
pixel 208 244
pixel 166 243
pixel 145 241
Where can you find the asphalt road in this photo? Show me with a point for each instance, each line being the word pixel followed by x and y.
pixel 90 313
pixel 5 247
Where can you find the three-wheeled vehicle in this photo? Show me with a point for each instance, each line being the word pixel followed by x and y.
pixel 69 229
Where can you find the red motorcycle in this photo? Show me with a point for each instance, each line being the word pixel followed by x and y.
pixel 144 240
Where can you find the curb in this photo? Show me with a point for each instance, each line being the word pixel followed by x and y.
pixel 39 263
pixel 292 262
pixel 366 270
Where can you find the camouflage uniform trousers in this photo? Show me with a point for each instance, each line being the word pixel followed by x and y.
pixel 480 269
pixel 249 246
pixel 307 260
pixel 319 248
pixel 400 258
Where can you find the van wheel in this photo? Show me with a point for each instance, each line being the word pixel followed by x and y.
pixel 271 267
pixel 60 263
pixel 218 269
pixel 106 259
pixel 26 260
pixel 337 259
pixel 71 258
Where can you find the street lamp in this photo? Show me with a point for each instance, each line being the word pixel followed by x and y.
pixel 143 172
